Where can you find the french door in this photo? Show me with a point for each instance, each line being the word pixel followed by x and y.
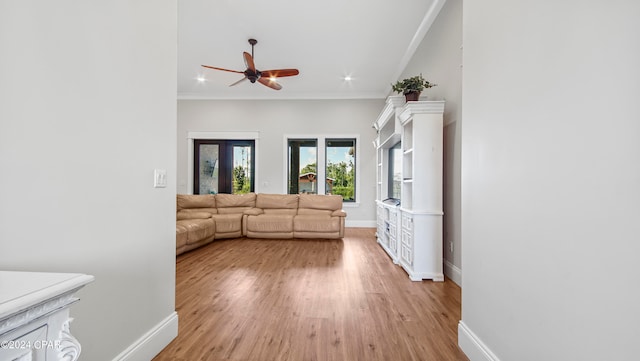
pixel 223 166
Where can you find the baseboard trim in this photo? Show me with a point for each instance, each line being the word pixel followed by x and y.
pixel 472 346
pixel 152 342
pixel 453 272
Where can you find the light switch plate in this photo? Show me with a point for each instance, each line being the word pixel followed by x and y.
pixel 160 178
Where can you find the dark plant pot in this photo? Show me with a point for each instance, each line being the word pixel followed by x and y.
pixel 412 96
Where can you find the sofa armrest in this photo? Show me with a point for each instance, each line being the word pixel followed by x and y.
pixel 253 212
pixel 245 215
pixel 339 213
pixel 192 215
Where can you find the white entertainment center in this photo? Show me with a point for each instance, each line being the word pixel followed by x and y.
pixel 409 205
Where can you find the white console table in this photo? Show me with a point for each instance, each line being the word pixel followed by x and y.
pixel 34 315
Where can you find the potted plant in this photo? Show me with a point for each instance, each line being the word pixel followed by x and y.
pixel 412 87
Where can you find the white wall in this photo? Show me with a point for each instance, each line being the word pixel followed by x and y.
pixel 273 120
pixel 438 58
pixel 87 112
pixel 551 180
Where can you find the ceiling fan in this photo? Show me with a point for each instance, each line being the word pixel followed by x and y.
pixel 264 77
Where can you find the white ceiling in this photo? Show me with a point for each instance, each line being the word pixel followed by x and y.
pixel 369 40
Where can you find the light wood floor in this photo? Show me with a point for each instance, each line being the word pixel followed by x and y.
pixel 259 300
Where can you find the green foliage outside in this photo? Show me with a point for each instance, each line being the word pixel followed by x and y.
pixel 309 168
pixel 241 183
pixel 345 192
pixel 343 175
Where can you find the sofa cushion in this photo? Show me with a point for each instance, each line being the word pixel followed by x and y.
pixel 181 235
pixel 226 223
pixel 236 200
pixel 277 201
pixel 253 212
pixel 275 211
pixel 315 212
pixel 266 223
pixel 313 223
pixel 192 214
pixel 319 201
pixel 190 201
pixel 198 229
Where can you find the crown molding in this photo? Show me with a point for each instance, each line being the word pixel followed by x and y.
pixel 421 107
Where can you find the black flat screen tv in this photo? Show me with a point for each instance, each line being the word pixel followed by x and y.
pixel 394 178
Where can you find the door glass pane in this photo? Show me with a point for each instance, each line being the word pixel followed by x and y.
pixel 241 169
pixel 209 168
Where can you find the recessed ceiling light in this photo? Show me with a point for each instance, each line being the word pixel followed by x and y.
pixel 201 79
pixel 347 78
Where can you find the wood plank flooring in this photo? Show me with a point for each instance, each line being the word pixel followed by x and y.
pixel 298 300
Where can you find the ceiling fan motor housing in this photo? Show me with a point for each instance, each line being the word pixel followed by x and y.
pixel 252 76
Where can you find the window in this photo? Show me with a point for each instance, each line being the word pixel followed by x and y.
pixel 338 166
pixel 340 170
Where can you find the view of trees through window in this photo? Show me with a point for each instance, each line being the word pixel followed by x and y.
pixel 339 170
pixel 241 169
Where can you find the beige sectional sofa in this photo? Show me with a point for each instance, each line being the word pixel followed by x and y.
pixel 203 218
pixel 194 225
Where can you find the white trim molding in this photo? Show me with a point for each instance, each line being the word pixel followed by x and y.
pixel 472 346
pixel 152 342
pixel 453 272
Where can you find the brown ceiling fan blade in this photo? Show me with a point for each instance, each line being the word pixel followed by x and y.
pixel 279 73
pixel 239 81
pixel 223 69
pixel 270 83
pixel 248 61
